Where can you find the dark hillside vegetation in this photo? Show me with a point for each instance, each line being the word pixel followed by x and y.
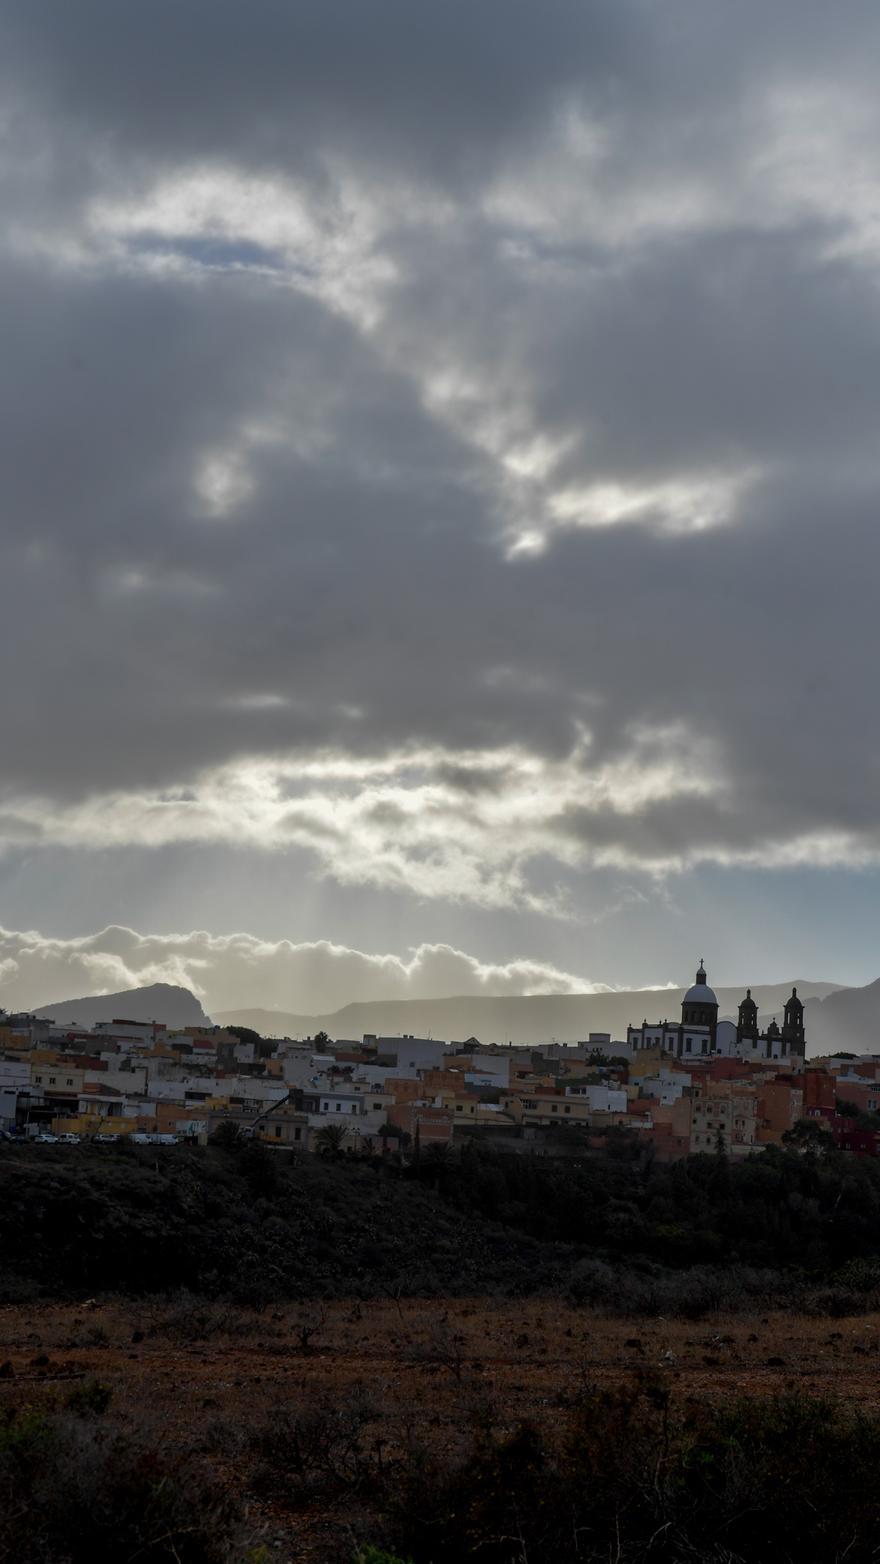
pixel 250 1224
pixel 256 1225
pixel 811 1212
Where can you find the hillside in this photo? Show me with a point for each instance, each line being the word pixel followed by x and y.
pixel 517 1019
pixel 177 1007
pixel 258 1225
pixel 848 1019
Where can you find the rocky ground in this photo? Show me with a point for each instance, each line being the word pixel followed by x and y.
pixel 217 1379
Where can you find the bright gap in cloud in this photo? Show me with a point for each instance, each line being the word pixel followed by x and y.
pixel 238 970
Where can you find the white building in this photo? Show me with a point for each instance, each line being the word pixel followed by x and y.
pixel 700 1035
pixel 411 1054
pixel 601 1098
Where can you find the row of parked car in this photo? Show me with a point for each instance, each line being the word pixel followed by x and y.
pixel 46 1138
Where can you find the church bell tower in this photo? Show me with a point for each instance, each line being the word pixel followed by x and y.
pixel 793 1024
pixel 747 1021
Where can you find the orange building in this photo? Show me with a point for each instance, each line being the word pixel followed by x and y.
pixel 780 1105
pixel 435 1124
pixel 820 1093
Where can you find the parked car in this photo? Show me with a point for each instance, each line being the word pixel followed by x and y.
pixel 45 1139
pixel 140 1138
pixel 105 1138
pixel 69 1139
pixel 164 1140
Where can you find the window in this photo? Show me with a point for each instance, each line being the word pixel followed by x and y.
pixel 377 1107
pixel 458 1107
pixel 69 1081
pixel 38 1080
pixel 554 1108
pixel 297 1134
pixel 339 1107
pixel 278 1132
pixel 354 1107
pixel 568 1110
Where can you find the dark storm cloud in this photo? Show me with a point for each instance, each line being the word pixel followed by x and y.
pixel 263 470
pixel 437 90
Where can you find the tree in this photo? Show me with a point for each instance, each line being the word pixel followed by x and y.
pixel 436 1161
pixel 228 1134
pixel 851 1110
pixel 321 1040
pixel 330 1139
pixel 809 1135
pixel 245 1034
pixel 389 1131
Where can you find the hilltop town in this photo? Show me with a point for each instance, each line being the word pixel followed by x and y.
pixel 693 1084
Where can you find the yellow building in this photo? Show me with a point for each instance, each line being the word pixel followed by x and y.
pixel 13 1041
pixel 647 1061
pixel 88 1124
pixel 548 1109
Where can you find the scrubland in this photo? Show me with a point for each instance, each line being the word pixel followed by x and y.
pixel 226 1358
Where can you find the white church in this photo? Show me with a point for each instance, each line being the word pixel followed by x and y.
pixel 700 1035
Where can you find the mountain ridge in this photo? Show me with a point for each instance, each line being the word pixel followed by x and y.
pixel 520 1019
pixel 836 1017
pixel 169 1002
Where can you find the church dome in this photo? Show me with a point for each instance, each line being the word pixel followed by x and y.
pixel 700 993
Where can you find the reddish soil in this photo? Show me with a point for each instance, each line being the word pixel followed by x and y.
pixel 202 1368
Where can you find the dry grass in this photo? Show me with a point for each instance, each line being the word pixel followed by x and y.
pixel 212 1375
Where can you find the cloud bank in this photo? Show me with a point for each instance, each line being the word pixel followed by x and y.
pixel 442 438
pixel 237 971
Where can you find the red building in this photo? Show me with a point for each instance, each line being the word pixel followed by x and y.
pixel 850 1136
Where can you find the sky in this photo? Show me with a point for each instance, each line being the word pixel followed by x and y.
pixel 439 488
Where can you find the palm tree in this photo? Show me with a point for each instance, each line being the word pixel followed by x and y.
pixel 329 1139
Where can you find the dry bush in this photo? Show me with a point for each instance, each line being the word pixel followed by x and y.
pixel 77 1488
pixel 328 1449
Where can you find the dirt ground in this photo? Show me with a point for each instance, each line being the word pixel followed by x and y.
pixel 192 1368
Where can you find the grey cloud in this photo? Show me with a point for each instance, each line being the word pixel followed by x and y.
pixel 472 780
pixel 431 89
pixel 443 89
pixel 358 598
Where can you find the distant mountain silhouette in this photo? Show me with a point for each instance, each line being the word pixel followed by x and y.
pixel 847 1020
pixel 534 1018
pixel 835 1018
pixel 166 1002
